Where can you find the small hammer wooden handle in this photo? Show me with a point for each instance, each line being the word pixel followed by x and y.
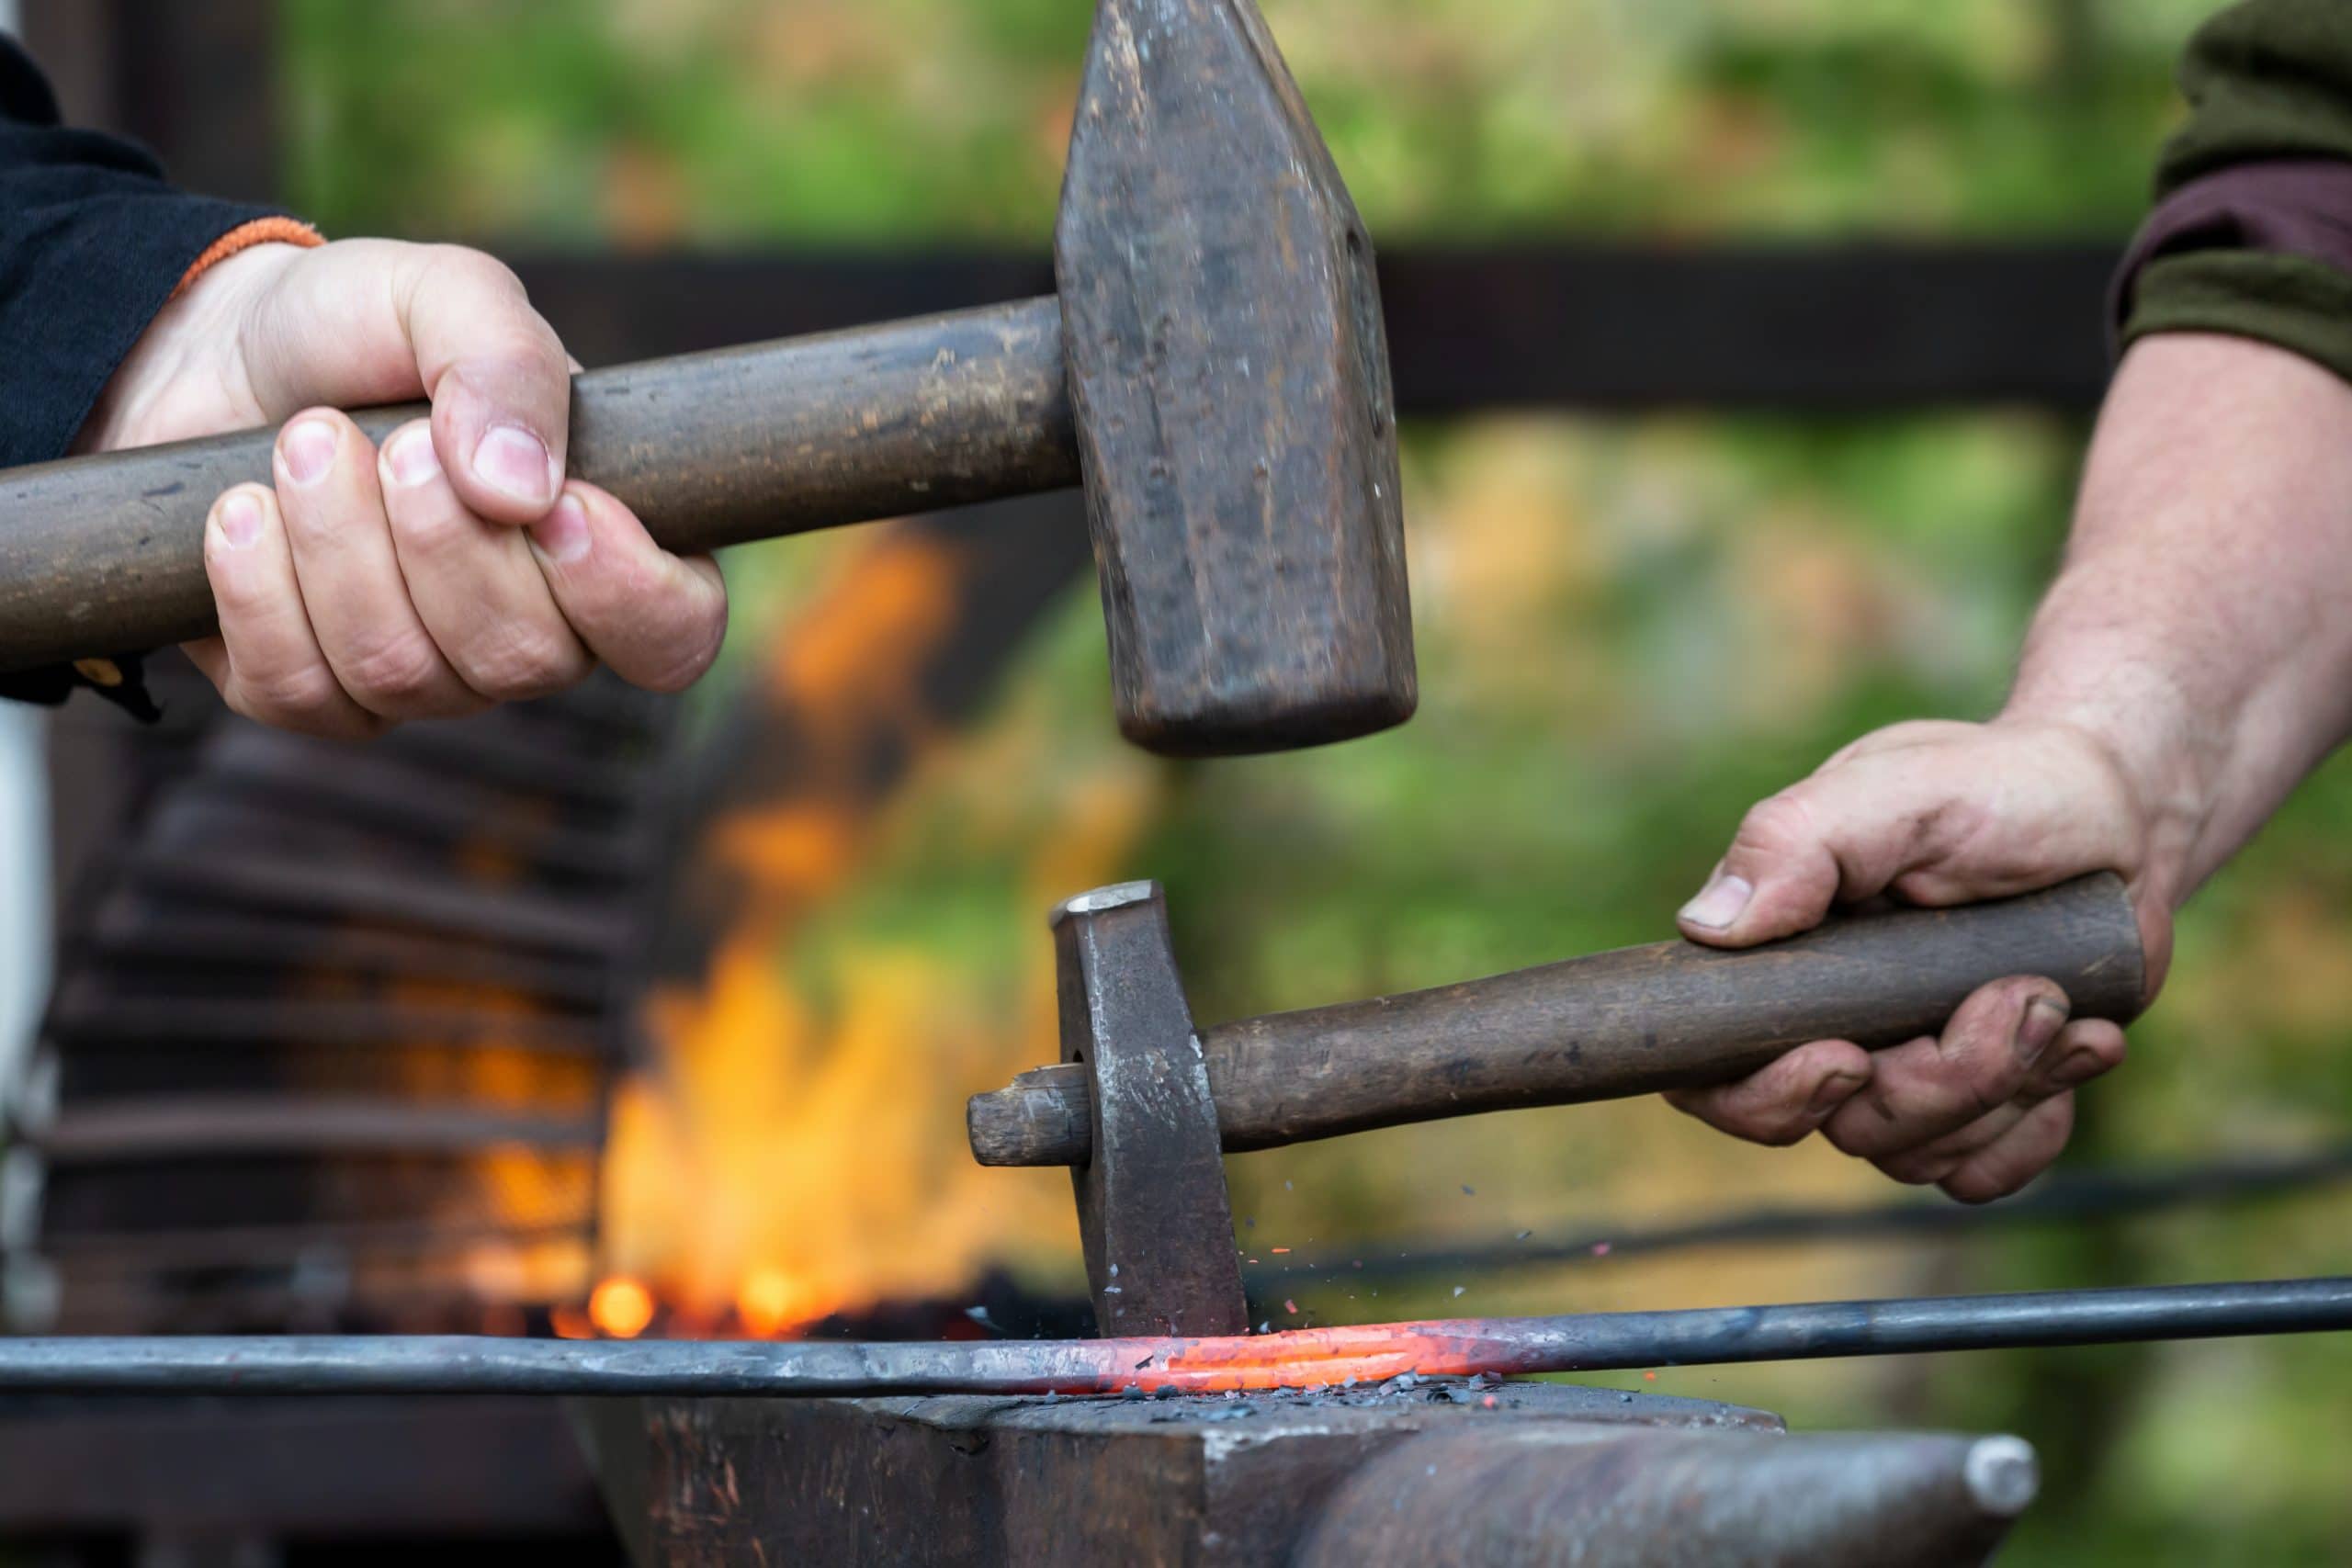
pixel 106 555
pixel 1674 1015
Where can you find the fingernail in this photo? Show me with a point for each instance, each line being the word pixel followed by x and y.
pixel 2081 1066
pixel 1835 1090
pixel 412 459
pixel 2042 1020
pixel 563 534
pixel 513 461
pixel 239 520
pixel 1719 903
pixel 309 450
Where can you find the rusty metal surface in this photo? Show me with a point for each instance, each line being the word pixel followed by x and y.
pixel 1152 1208
pixel 1310 1357
pixel 1230 371
pixel 1206 1482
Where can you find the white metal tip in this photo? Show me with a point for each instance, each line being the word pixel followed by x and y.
pixel 2002 1475
pixel 1118 896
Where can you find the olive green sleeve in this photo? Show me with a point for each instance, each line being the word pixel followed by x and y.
pixel 2251 232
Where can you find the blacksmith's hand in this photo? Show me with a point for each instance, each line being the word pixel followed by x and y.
pixel 2189 665
pixel 1935 814
pixel 453 569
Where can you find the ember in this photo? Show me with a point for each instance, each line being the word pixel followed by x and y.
pixel 621 1307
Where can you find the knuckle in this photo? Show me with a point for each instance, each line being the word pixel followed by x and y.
pixel 692 661
pixel 1782 1132
pixel 513 333
pixel 1984 1094
pixel 624 588
pixel 463 266
pixel 397 673
pixel 1851 1135
pixel 430 530
pixel 286 693
pixel 1706 1105
pixel 1751 1116
pixel 1915 1168
pixel 1775 823
pixel 1979 1184
pixel 523 661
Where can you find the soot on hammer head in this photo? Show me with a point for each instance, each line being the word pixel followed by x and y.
pixel 1230 374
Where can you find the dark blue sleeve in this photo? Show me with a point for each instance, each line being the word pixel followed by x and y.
pixel 93 241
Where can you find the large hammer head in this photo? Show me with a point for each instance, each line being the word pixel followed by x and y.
pixel 1151 1202
pixel 1230 374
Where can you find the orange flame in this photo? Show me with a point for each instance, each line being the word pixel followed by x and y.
pixel 798 1150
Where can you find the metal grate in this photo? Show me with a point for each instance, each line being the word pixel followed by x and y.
pixel 334 1028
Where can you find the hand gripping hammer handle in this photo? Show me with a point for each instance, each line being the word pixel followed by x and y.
pixel 106 555
pixel 1674 1015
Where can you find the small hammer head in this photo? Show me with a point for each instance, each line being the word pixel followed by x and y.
pixel 1230 374
pixel 1152 1207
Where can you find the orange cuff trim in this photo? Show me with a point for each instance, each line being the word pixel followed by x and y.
pixel 244 237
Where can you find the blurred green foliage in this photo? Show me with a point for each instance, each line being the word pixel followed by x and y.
pixel 718 120
pixel 1629 629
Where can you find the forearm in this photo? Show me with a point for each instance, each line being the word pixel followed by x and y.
pixel 2197 632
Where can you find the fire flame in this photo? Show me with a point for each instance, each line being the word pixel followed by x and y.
pixel 797 1150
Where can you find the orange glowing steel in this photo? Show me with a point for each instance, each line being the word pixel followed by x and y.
pixel 1308 1358
pixel 621 1307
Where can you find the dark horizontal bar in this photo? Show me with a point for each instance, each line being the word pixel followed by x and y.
pixel 81 1018
pixel 220 1124
pixel 455 1364
pixel 278 776
pixel 417 900
pixel 256 1246
pixel 160 934
pixel 174 1193
pixel 1833 327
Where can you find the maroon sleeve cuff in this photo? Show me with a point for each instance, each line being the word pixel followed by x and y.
pixel 2296 206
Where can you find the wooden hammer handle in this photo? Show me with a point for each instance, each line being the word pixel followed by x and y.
pixel 1674 1015
pixel 106 555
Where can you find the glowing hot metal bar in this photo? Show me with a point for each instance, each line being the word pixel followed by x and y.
pixel 1304 1357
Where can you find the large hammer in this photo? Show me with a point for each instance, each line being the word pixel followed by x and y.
pixel 1145 1107
pixel 1214 368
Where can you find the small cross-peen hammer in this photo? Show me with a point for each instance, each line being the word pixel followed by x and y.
pixel 1214 367
pixel 1145 1108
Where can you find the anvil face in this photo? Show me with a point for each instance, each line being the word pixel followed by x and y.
pixel 1410 1471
